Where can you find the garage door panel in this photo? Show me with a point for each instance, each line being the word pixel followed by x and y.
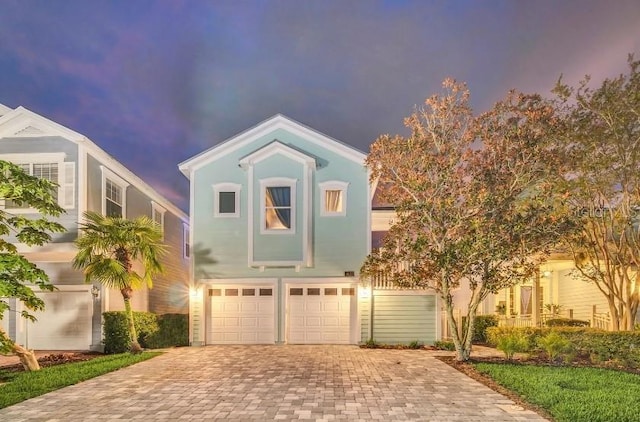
pixel 313 322
pixel 249 322
pixel 248 307
pixel 331 306
pixel 242 316
pixel 323 318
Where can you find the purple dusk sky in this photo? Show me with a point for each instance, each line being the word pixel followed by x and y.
pixel 155 82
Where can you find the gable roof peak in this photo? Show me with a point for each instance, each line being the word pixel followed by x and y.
pixel 277 121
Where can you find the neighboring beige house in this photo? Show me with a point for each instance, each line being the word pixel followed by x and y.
pixel 89 179
pixel 554 285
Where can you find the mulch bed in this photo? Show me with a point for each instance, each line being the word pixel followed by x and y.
pixel 55 359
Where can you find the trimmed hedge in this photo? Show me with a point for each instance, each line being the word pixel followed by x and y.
pixel 480 325
pixel 566 322
pixel 154 331
pixel 618 347
pixel 173 330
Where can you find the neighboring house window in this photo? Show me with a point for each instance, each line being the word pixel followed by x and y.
pixel 46 166
pixel 114 188
pixel 157 215
pixel 333 198
pixel 185 241
pixel 226 200
pixel 278 205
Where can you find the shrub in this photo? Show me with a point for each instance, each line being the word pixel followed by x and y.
pixel 512 343
pixel 415 344
pixel 619 347
pixel 173 330
pixel 554 345
pixel 371 344
pixel 444 345
pixel 116 329
pixel 566 322
pixel 480 325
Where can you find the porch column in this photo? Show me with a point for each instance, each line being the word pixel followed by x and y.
pixel 535 300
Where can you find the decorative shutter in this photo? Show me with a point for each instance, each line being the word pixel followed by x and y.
pixel 68 185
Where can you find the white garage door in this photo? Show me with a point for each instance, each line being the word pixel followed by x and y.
pixel 65 323
pixel 241 314
pixel 320 314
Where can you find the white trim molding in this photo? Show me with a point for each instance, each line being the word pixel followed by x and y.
pixel 219 188
pixel 333 185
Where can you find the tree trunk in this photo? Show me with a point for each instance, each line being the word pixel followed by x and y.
pixel 27 357
pixel 134 346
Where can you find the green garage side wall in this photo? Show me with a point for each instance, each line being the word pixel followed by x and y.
pixel 400 318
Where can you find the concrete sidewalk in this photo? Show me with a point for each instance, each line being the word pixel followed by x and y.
pixel 320 383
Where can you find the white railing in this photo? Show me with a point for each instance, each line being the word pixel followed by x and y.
pixel 601 321
pixel 515 321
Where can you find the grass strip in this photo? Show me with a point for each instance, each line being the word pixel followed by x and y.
pixel 572 394
pixel 20 386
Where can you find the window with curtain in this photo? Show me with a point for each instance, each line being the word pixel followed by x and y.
pixel 333 201
pixel 333 198
pixel 278 208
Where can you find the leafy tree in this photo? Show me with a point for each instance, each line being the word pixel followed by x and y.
pixel 472 197
pixel 602 140
pixel 108 250
pixel 18 276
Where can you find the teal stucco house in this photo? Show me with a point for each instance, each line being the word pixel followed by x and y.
pixel 280 225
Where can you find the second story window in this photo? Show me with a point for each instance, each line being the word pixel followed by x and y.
pixel 278 200
pixel 185 241
pixel 114 198
pixel 278 208
pixel 333 198
pixel 49 166
pixel 47 171
pixel 157 215
pixel 226 200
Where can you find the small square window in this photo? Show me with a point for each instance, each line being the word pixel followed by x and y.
pixel 313 291
pixel 248 292
pixel 215 292
pixel 266 292
pixel 231 292
pixel 226 202
pixel 295 291
pixel 348 291
pixel 331 292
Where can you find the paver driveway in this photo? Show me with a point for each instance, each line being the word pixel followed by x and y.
pixel 277 383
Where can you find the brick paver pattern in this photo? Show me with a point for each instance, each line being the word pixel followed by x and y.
pixel 259 383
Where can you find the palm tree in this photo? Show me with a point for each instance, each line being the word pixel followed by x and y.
pixel 108 249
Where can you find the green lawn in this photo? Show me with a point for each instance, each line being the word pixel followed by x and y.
pixel 572 394
pixel 18 386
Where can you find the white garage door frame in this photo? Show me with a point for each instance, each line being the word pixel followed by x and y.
pixel 216 329
pixel 340 283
